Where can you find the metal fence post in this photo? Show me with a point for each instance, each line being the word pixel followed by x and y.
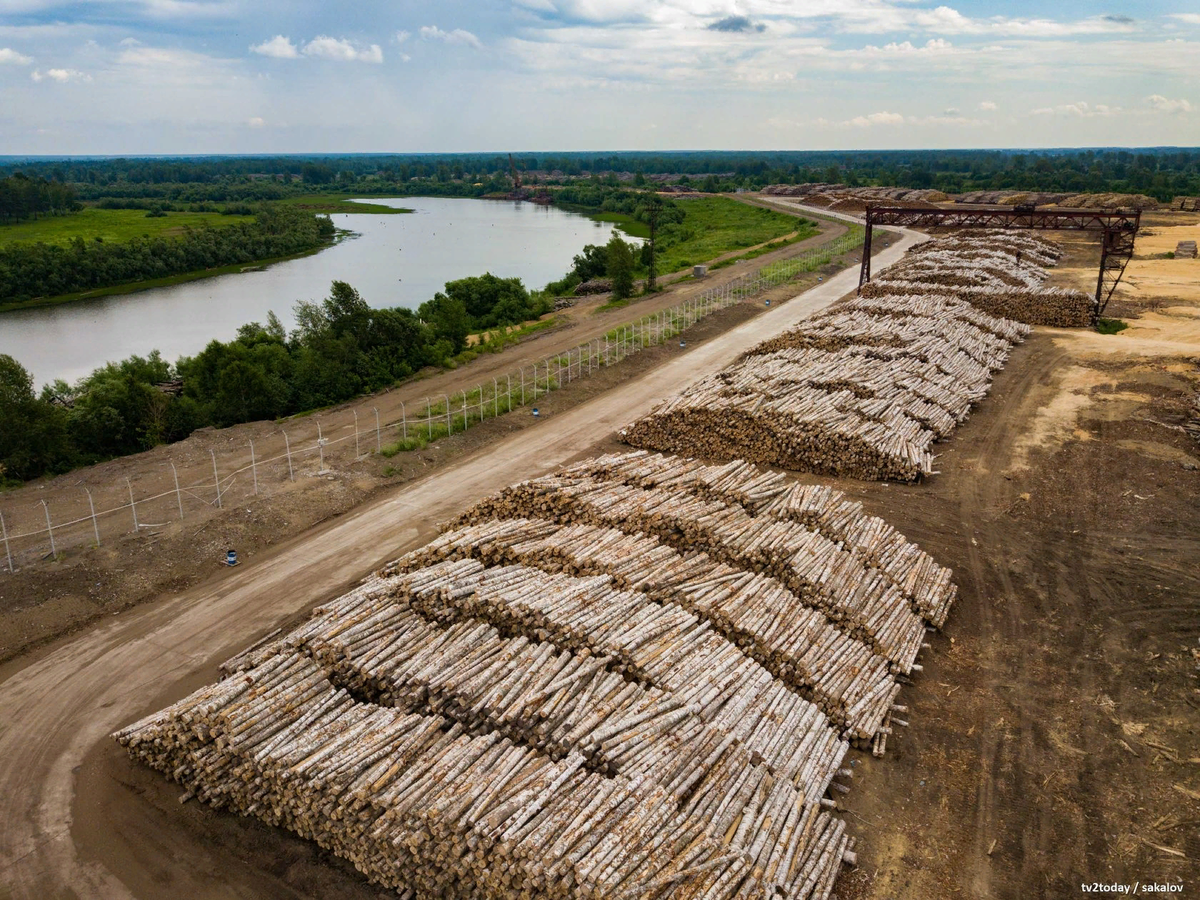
pixel 50 529
pixel 287 444
pixel 495 398
pixel 449 425
pixel 254 468
pixel 92 506
pixel 216 480
pixel 321 447
pixel 357 452
pixel 178 495
pixel 4 534
pixel 132 505
pixel 378 438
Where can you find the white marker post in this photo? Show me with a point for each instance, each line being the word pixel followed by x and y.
pixel 132 505
pixel 178 495
pixel 216 480
pixel 7 552
pixel 50 528
pixel 95 527
pixel 288 447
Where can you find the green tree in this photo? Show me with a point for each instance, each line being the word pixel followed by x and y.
pixel 620 267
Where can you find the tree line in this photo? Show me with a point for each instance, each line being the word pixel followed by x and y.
pixel 1159 172
pixel 22 197
pixel 340 348
pixel 31 270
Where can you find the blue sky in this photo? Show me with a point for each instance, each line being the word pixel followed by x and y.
pixel 230 76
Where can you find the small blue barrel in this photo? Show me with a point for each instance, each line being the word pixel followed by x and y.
pixel 768 303
pixel 683 343
pixel 231 557
pixel 536 414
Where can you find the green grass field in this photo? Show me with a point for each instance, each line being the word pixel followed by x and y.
pixel 115 225
pixel 338 203
pixel 717 225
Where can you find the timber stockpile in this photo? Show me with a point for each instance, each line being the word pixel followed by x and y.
pixel 1002 273
pixel 636 678
pixel 861 390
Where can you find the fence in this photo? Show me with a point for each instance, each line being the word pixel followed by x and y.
pixel 247 471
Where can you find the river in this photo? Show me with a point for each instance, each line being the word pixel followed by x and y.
pixel 393 260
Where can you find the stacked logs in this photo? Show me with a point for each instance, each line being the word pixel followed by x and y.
pixel 1002 273
pixel 635 678
pixel 862 390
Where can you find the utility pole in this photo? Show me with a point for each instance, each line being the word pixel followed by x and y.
pixel 653 208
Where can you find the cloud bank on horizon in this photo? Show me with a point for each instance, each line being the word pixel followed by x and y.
pixel 235 76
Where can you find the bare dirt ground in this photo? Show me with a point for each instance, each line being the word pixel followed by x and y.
pixel 46 598
pixel 1054 737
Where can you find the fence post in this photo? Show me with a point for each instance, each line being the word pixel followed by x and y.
pixel 92 506
pixel 357 452
pixel 466 421
pixel 479 387
pixel 254 468
pixel 449 425
pixel 178 495
pixel 50 528
pixel 7 552
pixel 378 439
pixel 288 445
pixel 495 398
pixel 216 480
pixel 132 505
pixel 321 448
pixel 522 385
pixel 508 394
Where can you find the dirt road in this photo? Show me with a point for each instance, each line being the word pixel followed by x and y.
pixel 61 705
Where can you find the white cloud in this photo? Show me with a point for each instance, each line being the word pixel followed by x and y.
pixel 987 106
pixel 278 47
pixel 1162 104
pixel 324 47
pixel 1080 110
pixel 1189 18
pixel 879 118
pixel 255 122
pixel 402 36
pixel 62 76
pixel 458 36
pixel 12 57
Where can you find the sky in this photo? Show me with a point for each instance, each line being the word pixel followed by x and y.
pixel 262 76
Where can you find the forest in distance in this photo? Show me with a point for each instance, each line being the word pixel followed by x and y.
pixel 1162 173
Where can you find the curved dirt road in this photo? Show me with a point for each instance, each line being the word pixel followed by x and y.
pixel 60 705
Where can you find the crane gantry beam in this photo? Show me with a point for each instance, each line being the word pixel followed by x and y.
pixel 1118 230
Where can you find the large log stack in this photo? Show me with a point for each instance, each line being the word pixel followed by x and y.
pixel 1002 273
pixel 861 390
pixel 635 678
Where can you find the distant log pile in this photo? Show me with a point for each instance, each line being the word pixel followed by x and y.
pixel 635 678
pixel 1000 272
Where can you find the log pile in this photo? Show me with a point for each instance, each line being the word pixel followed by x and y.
pixel 861 390
pixel 635 678
pixel 1002 273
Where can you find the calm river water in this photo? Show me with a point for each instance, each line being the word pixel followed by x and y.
pixel 393 261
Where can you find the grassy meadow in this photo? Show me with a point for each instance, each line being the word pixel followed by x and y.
pixel 112 225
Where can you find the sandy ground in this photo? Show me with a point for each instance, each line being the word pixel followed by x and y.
pixel 49 597
pixel 76 823
pixel 1054 737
